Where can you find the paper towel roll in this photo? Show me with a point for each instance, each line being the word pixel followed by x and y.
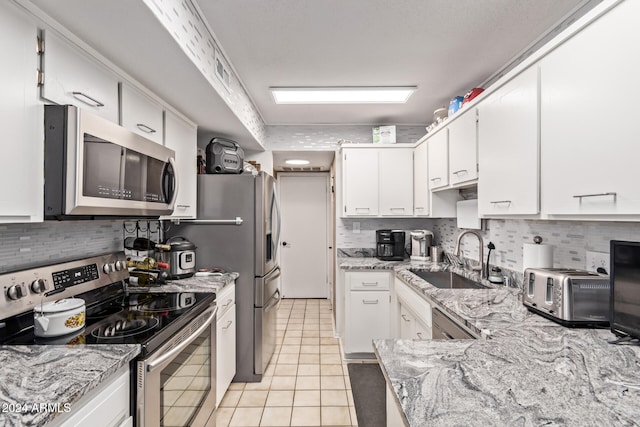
pixel 537 256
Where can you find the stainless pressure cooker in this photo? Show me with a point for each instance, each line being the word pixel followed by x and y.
pixel 182 258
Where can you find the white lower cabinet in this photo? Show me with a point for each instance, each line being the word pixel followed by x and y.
pixel 413 313
pixel 394 417
pixel 105 406
pixel 367 311
pixel 225 341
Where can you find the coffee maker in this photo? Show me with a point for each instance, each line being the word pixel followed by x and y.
pixel 420 243
pixel 390 245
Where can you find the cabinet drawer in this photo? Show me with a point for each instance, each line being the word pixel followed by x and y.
pixel 368 281
pixel 225 299
pixel 225 352
pixel 141 114
pixel 72 77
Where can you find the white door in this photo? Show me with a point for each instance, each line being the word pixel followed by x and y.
pixel 305 244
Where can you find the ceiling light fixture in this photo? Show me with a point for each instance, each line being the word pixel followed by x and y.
pixel 297 162
pixel 342 95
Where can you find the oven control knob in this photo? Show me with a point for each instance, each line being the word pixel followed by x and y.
pixel 38 286
pixel 107 268
pixel 119 265
pixel 15 292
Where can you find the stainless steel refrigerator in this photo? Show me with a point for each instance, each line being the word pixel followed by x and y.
pixel 249 248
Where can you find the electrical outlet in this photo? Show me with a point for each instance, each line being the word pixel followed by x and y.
pixel 356 227
pixel 596 260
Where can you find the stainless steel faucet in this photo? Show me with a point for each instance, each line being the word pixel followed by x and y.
pixel 481 249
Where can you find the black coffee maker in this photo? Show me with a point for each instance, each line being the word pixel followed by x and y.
pixel 390 245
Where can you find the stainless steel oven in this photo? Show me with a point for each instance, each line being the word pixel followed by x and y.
pixel 176 384
pixel 96 168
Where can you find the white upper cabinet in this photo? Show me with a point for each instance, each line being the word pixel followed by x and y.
pixel 21 120
pixel 508 148
pixel 182 138
pixel 360 177
pixel 140 114
pixel 72 77
pixel 396 181
pixel 589 130
pixel 439 159
pixel 421 192
pixel 463 148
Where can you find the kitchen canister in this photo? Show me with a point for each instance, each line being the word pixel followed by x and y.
pixel 537 255
pixel 455 105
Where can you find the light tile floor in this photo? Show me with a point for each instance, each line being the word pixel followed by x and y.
pixel 306 382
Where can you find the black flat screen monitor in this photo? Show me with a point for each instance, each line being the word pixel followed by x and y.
pixel 625 288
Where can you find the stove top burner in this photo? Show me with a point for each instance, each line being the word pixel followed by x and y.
pixel 122 327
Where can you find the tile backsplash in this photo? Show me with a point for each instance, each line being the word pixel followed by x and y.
pixel 27 245
pixel 570 239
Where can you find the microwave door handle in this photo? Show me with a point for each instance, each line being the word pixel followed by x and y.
pixel 174 196
pixel 177 349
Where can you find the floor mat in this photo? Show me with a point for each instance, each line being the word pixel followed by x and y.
pixel 368 388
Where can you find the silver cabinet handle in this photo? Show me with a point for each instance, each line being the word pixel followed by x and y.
pixel 369 283
pixel 396 209
pixel 145 128
pixel 419 208
pixel 404 317
pixel 612 194
pixel 363 209
pixel 183 206
pixel 83 97
pixel 436 179
pixel 500 202
pixel 460 171
pixel 446 335
pixel 226 304
pixel 419 334
pixel 228 324
pixel 364 301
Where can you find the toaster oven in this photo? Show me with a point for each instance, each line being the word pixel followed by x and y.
pixel 570 297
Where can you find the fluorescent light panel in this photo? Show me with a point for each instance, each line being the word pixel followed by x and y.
pixel 342 95
pixel 297 162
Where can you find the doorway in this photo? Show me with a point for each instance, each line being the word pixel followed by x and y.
pixel 306 242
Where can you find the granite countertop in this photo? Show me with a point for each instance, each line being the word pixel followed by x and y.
pixel 206 284
pixel 58 374
pixel 525 369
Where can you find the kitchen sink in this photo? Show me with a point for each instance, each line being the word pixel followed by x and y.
pixel 447 280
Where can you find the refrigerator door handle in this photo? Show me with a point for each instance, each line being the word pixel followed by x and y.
pixel 278 221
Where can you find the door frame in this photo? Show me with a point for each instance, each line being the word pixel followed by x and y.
pixel 330 215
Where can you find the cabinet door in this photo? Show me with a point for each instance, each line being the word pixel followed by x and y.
pixel 182 138
pixel 360 182
pixel 396 182
pixel 589 131
pixel 508 148
pixel 463 148
pixel 407 323
pixel 439 159
pixel 421 191
pixel 422 330
pixel 72 77
pixel 225 352
pixel 367 319
pixel 141 114
pixel 21 120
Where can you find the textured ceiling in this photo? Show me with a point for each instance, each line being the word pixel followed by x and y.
pixel 444 47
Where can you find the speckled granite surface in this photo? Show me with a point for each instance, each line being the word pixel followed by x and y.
pixel 209 284
pixel 525 370
pixel 34 374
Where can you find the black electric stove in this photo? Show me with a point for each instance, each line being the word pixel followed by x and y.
pixel 113 315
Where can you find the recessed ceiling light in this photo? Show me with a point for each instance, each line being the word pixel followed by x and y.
pixel 297 162
pixel 342 95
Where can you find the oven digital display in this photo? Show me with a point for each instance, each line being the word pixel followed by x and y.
pixel 75 276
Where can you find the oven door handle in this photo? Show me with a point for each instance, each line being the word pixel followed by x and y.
pixel 177 349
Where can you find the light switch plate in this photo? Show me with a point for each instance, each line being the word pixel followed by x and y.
pixel 597 259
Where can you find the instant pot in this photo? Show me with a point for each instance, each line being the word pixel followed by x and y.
pixel 182 258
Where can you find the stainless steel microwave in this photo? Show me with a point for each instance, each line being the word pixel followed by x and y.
pixel 94 167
